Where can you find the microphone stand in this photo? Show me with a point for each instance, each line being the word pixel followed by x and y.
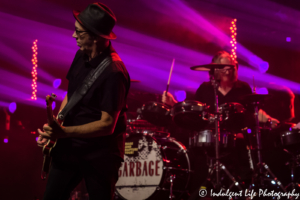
pixel 215 84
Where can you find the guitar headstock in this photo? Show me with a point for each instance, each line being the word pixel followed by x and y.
pixel 49 101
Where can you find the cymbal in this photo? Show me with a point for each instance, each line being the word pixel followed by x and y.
pixel 208 67
pixel 250 98
pixel 134 81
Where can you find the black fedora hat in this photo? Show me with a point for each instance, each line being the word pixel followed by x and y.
pixel 98 19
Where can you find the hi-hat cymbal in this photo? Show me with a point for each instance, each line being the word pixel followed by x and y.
pixel 134 81
pixel 208 67
pixel 250 98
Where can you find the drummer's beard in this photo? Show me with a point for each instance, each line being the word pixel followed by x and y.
pixel 231 77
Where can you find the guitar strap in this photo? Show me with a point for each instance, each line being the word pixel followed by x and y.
pixel 82 90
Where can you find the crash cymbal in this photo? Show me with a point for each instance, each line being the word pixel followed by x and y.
pixel 208 67
pixel 134 81
pixel 250 98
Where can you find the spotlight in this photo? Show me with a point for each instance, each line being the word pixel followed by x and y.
pixel 262 91
pixel 180 95
pixel 12 107
pixel 56 83
pixel 263 66
pixel 288 39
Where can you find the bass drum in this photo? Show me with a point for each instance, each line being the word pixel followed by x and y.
pixel 148 165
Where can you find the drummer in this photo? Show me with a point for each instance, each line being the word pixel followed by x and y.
pixel 230 88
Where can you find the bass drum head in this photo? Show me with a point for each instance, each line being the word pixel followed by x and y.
pixel 141 172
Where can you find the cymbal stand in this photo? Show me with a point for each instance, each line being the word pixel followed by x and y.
pixel 262 167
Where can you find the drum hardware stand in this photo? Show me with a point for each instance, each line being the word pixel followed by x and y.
pixel 294 163
pixel 171 179
pixel 212 168
pixel 262 169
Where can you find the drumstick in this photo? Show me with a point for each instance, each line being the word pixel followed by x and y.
pixel 254 88
pixel 170 76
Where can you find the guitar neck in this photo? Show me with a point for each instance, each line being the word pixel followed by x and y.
pixel 49 101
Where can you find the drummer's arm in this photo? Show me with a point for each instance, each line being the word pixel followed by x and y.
pixel 167 98
pixel 264 117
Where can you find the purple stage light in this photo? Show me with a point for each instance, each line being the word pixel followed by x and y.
pixel 266 80
pixel 288 39
pixel 146 58
pixel 249 131
pixel 262 90
pixel 4 104
pixel 177 9
pixel 180 95
pixel 12 107
pixel 263 66
pixel 56 83
pixel 5 140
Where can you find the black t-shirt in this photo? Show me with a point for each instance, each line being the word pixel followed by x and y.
pixel 108 93
pixel 205 93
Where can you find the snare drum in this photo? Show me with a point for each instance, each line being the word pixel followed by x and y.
pixel 156 113
pixel 190 115
pixel 148 165
pixel 206 139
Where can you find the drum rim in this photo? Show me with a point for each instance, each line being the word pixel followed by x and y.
pixel 150 132
pixel 289 133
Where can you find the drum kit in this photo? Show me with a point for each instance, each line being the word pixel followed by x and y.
pixel 157 166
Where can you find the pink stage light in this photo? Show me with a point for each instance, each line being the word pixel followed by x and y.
pixel 34 72
pixel 233 39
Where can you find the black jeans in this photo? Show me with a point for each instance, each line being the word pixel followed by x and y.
pixel 100 175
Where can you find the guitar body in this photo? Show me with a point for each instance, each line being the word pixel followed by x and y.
pixel 51 142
